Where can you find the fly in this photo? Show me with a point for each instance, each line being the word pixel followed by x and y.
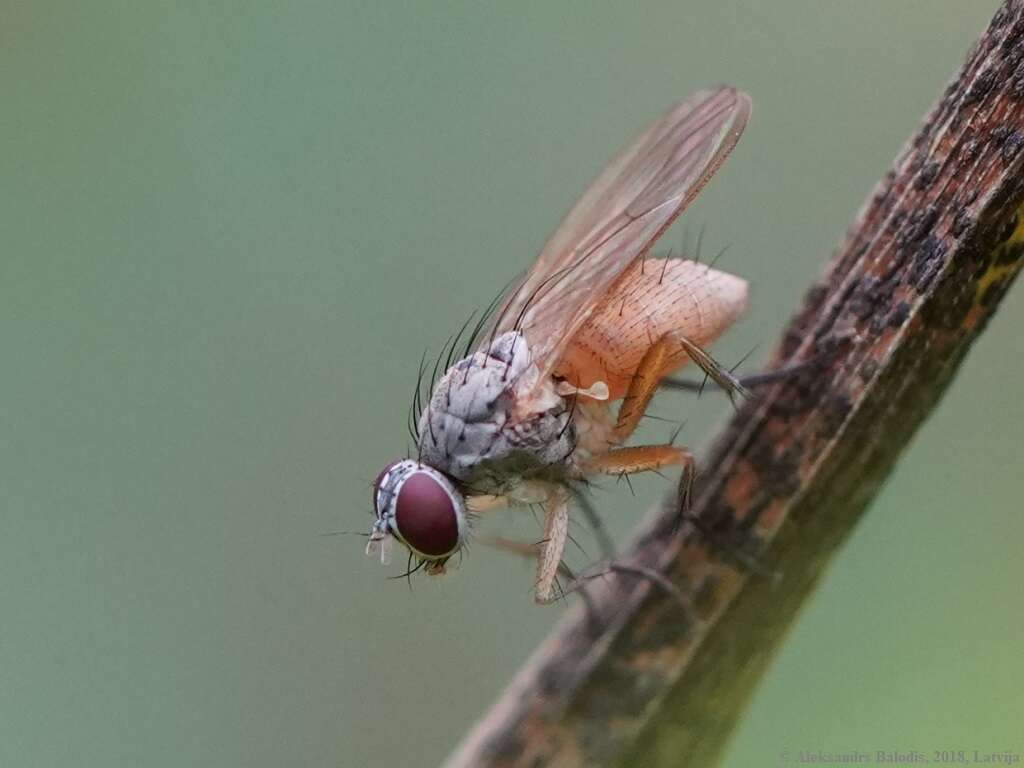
pixel 528 415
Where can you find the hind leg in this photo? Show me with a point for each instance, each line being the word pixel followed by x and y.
pixel 767 378
pixel 660 358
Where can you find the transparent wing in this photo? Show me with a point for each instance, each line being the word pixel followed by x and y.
pixel 619 217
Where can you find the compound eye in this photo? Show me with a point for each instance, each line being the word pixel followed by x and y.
pixel 427 515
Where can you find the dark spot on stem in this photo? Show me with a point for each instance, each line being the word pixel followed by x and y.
pixel 926 176
pixel 1010 254
pixel 865 298
pixel 1012 145
pixel 899 314
pixel 994 292
pixel 961 221
pixel 1017 89
pixel 834 411
pixel 868 370
pixel 980 87
pixel 1006 228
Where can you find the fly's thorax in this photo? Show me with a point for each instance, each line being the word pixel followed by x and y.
pixel 492 406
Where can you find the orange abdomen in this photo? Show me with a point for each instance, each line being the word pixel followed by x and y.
pixel 651 298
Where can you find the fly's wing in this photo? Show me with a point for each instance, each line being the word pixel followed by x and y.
pixel 619 217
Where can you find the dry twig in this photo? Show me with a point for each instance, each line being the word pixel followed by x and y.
pixel 634 680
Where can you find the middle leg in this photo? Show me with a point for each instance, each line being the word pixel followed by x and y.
pixel 647 458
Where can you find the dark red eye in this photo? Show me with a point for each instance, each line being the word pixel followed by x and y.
pixel 426 516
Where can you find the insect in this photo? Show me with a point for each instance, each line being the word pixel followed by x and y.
pixel 595 322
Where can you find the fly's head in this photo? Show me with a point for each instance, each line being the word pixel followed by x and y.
pixel 421 507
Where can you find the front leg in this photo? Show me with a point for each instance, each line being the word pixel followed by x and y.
pixel 554 500
pixel 549 556
pixel 579 583
pixel 619 461
pixel 485 502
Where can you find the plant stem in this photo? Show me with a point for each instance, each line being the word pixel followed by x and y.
pixel 630 678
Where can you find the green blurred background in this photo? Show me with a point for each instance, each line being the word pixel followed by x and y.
pixel 230 229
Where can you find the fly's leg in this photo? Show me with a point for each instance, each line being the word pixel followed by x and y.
pixel 747 382
pixel 486 502
pixel 578 584
pixel 524 549
pixel 825 351
pixel 555 504
pixel 646 458
pixel 549 550
pixel 719 374
pixel 651 575
pixel 573 584
pixel 556 531
pixel 604 540
pixel 639 458
pixel 528 492
pixel 655 363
